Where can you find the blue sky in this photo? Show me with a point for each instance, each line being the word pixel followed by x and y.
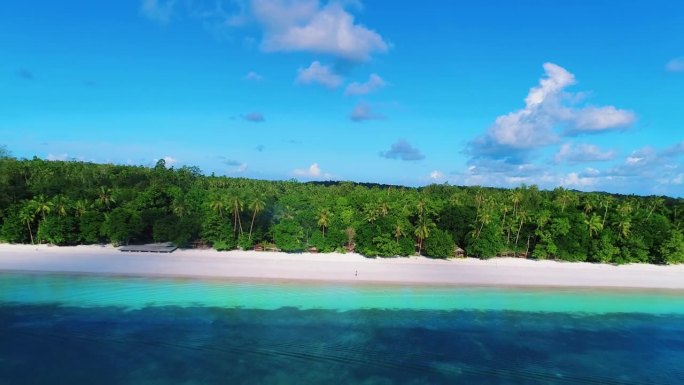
pixel 587 95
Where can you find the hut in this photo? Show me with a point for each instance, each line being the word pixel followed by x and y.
pixel 258 247
pixel 312 249
pixel 459 252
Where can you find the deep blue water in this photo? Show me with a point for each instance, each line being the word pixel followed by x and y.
pixel 58 343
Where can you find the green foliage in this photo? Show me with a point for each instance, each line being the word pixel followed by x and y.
pixel 58 230
pixel 90 226
pixel 244 242
pixel 672 249
pixel 14 228
pixel 121 226
pixel 440 244
pixel 72 202
pixel 488 244
pixel 288 236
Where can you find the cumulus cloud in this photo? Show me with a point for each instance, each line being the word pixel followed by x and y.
pixel 307 26
pixel 549 114
pixel 255 117
pixel 170 161
pixel 364 111
pixel 158 10
pixel 436 175
pixel 403 150
pixel 374 82
pixel 253 76
pixel 675 65
pixel 574 179
pixel 599 119
pixel 319 73
pixel 312 172
pixel 582 153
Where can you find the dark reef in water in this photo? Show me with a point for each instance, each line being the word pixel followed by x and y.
pixel 203 345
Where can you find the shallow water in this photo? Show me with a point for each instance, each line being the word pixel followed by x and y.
pixel 107 330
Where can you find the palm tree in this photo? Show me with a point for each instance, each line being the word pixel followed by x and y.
pixel 516 198
pixel 371 212
pixel 324 219
pixel 655 202
pixel 565 198
pixel 522 216
pixel 398 231
pixel 105 197
pixel 257 205
pixel 594 224
pixel 218 204
pixel 236 204
pixel 350 233
pixel 422 231
pixel 179 206
pixel 27 215
pixel 81 206
pixel 61 205
pixel 605 201
pixel 624 226
pixel 42 205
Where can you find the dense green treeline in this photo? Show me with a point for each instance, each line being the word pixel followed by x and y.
pixel 68 203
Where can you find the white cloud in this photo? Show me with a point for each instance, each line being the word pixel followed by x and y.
pixel 170 161
pixel 158 10
pixel 61 157
pixel 582 153
pixel 313 172
pixel 436 175
pixel 306 26
pixel 374 82
pixel 319 73
pixel 675 65
pixel 574 179
pixel 549 113
pixel 364 111
pixel 597 119
pixel 253 76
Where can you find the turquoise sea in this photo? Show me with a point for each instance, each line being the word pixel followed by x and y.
pixel 85 329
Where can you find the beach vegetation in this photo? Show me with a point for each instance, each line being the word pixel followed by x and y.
pixel 70 202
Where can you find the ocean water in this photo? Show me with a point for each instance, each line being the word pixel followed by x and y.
pixel 68 329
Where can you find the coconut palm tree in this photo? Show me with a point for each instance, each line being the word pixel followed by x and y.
pixel 398 231
pixel 217 204
pixel 523 216
pixel 422 231
pixel 42 205
pixel 605 201
pixel 324 219
pixel 594 224
pixel 81 207
pixel 257 205
pixel 236 204
pixel 27 215
pixel 61 205
pixel 655 203
pixel 105 197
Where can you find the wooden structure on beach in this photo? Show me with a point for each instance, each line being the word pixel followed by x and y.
pixel 166 247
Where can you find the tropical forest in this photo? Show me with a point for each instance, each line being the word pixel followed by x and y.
pixel 73 203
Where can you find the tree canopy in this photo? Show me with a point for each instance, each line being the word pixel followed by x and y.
pixel 68 203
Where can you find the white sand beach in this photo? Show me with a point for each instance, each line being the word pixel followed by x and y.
pixel 336 267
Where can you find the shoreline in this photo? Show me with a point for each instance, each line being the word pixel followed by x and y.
pixel 335 267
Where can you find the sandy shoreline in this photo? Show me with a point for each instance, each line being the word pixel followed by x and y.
pixel 336 267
